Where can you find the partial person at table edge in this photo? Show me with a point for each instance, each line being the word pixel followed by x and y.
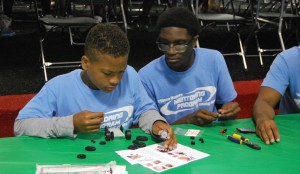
pixel 280 86
pixel 106 93
pixel 189 85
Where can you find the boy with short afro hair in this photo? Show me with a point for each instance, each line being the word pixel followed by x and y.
pixel 106 93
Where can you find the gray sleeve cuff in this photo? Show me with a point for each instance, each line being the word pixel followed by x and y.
pixel 45 127
pixel 148 118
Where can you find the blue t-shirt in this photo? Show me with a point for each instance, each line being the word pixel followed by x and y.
pixel 67 95
pixel 284 74
pixel 178 94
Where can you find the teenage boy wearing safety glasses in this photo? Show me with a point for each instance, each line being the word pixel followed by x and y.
pixel 189 85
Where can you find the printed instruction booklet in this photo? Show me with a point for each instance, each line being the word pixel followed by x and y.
pixel 155 158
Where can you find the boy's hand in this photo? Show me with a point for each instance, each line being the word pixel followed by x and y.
pixel 87 122
pixel 171 140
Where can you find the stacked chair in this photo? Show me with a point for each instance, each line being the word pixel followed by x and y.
pixel 74 16
pixel 225 18
pixel 279 15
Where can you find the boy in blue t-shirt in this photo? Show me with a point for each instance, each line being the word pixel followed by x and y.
pixel 106 93
pixel 188 84
pixel 282 84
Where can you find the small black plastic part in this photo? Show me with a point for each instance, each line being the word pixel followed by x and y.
pixel 112 135
pixel 107 136
pixel 102 142
pixel 81 156
pixel 135 141
pixel 142 138
pixel 132 147
pixel 193 143
pixel 90 148
pixel 158 138
pixel 128 135
pixel 140 144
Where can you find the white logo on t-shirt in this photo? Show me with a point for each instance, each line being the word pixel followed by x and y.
pixel 118 117
pixel 202 96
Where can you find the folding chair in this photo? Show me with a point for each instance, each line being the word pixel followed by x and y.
pixel 115 13
pixel 24 11
pixel 279 14
pixel 223 19
pixel 66 19
pixel 132 12
pixel 140 14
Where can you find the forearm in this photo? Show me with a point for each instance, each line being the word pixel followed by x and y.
pixel 45 127
pixel 262 111
pixel 148 118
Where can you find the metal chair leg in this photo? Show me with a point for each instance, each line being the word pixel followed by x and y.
pixel 242 51
pixel 43 60
pixel 259 50
pixel 123 15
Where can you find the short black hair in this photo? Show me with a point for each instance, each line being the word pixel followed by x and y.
pixel 179 17
pixel 107 39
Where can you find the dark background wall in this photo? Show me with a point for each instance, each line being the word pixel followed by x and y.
pixel 20 62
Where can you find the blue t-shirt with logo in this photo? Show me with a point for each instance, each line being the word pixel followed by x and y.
pixel 284 74
pixel 67 95
pixel 178 94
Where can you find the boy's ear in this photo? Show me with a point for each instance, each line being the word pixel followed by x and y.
pixel 85 62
